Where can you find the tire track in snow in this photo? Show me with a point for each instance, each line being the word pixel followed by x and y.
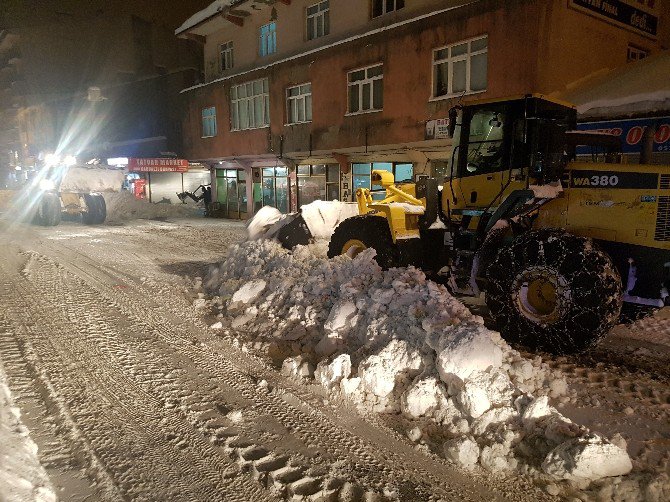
pixel 93 407
pixel 348 455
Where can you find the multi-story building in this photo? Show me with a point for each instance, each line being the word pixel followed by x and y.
pixel 303 98
pixel 99 78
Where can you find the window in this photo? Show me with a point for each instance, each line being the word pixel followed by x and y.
pixel 635 54
pixel 460 68
pixel 366 89
pixel 318 20
pixel 362 175
pixel 380 7
pixel 299 104
pixel 485 142
pixel 226 51
pixel 318 182
pixel 208 122
pixel 231 192
pixel 268 39
pixel 250 105
pixel 275 188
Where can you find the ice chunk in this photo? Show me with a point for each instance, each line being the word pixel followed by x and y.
pixel 493 416
pixel 379 372
pixel 463 451
pixel 248 293
pixel 538 408
pixel 424 397
pixel 330 374
pixel 474 400
pixel 342 316
pixel 587 458
pixel 465 349
pixel 297 366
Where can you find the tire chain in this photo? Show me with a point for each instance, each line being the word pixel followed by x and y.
pixel 555 251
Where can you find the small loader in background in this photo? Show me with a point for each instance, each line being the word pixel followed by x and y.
pixel 555 244
pixel 60 190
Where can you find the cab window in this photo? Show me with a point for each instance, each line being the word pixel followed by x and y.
pixel 485 145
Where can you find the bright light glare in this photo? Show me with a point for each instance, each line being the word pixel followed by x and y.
pixel 51 159
pixel 47 184
pixel 17 168
pixel 70 160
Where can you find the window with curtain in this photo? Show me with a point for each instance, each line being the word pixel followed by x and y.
pixel 461 68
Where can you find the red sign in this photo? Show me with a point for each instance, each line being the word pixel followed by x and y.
pixel 158 165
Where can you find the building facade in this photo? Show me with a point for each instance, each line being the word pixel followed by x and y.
pixel 303 98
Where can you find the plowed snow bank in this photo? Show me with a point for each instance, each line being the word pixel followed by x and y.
pixel 122 206
pixel 22 478
pixel 395 342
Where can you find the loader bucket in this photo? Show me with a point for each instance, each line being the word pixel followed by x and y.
pixel 295 233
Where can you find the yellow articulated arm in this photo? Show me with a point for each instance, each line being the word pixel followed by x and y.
pixel 400 207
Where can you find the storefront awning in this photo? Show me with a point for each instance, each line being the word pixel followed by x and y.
pixel 634 90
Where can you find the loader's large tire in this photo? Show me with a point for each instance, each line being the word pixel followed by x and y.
pixel 48 212
pixel 553 291
pixel 360 232
pixel 96 209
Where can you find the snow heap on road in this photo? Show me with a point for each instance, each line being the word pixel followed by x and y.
pixel 394 342
pixel 123 206
pixel 22 478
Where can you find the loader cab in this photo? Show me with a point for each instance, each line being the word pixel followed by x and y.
pixel 505 145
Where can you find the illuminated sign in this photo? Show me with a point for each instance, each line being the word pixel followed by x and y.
pixel 158 165
pixel 631 132
pixel 636 15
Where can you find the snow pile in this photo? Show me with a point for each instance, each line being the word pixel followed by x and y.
pixel 91 179
pixel 123 206
pixel 393 341
pixel 22 478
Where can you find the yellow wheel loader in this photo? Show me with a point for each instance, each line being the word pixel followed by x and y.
pixel 60 190
pixel 555 243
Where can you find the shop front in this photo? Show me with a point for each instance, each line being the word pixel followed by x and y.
pixel 274 189
pixel 231 194
pixel 159 180
pixel 318 182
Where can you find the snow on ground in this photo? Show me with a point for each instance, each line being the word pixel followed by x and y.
pixel 123 206
pixel 396 343
pixel 22 478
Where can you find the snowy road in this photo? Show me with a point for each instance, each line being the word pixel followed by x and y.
pixel 129 395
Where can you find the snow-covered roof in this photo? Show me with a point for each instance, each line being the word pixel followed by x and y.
pixel 634 89
pixel 211 10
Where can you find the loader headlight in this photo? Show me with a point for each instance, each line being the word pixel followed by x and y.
pixel 47 185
